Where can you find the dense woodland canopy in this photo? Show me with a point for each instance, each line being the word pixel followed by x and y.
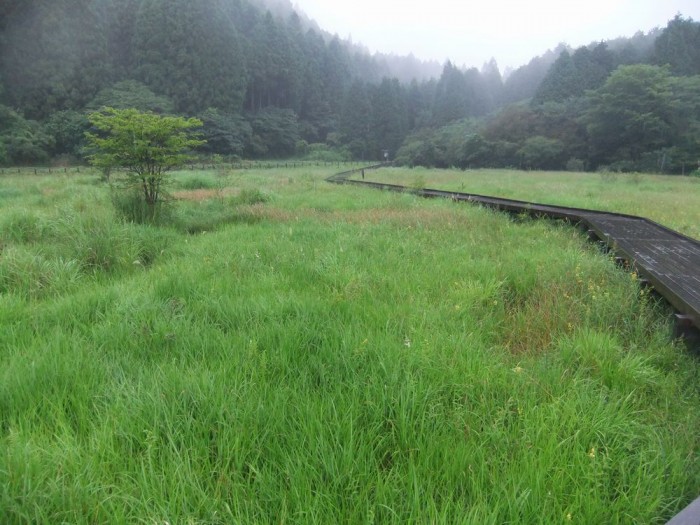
pixel 269 83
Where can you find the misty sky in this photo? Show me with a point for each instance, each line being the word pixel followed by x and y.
pixel 471 32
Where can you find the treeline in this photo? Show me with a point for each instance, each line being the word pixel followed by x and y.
pixel 629 105
pixel 271 84
pixel 265 83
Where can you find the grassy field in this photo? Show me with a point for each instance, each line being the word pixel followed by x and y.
pixel 290 351
pixel 671 201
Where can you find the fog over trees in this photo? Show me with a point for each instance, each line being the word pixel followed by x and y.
pixel 267 82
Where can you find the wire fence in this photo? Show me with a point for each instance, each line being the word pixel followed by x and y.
pixel 194 166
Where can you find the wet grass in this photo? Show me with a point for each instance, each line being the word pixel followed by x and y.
pixel 673 201
pixel 326 354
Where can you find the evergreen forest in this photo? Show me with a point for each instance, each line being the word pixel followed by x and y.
pixel 267 82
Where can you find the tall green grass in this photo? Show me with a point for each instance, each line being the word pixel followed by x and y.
pixel 673 201
pixel 48 253
pixel 338 355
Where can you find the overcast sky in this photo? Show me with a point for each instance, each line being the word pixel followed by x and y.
pixel 471 32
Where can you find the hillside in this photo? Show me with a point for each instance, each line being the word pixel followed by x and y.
pixel 268 82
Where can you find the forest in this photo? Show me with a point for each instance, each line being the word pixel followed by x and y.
pixel 267 82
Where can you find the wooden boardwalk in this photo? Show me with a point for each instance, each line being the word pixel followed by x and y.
pixel 669 261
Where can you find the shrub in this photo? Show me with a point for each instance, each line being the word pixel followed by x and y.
pixel 147 146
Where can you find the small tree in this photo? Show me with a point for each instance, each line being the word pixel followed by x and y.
pixel 146 145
